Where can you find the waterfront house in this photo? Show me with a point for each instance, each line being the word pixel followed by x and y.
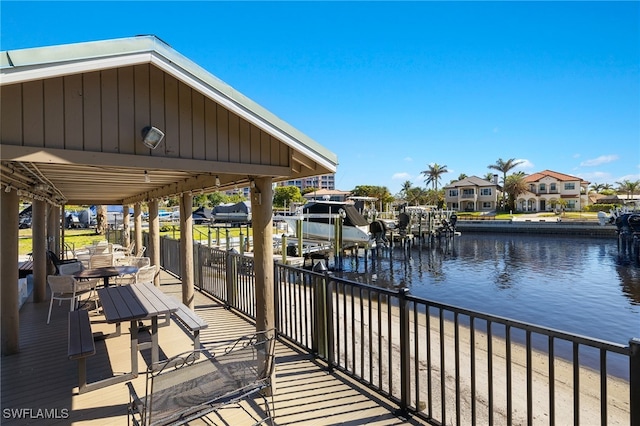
pixel 547 187
pixel 472 194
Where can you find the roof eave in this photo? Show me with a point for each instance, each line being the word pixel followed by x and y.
pixel 18 66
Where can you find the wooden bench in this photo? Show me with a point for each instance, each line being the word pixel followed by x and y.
pixel 192 321
pixel 81 344
pixel 189 386
pixel 25 268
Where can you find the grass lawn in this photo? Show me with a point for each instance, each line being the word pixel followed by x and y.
pixel 78 238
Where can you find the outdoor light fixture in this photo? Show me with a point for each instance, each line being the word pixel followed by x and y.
pixel 217 181
pixel 7 189
pixel 147 178
pixel 152 136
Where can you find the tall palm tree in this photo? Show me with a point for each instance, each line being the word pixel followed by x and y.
pixel 504 167
pixel 433 174
pixel 629 187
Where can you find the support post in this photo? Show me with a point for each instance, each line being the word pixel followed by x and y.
pixel 154 237
pixel 126 226
pixel 39 250
pixel 186 249
pixel 137 213
pixel 9 313
pixel 634 381
pixel 262 220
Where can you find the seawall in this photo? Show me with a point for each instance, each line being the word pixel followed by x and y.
pixel 576 228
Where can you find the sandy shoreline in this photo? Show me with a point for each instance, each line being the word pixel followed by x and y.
pixel 563 385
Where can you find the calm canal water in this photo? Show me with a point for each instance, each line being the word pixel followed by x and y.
pixel 574 284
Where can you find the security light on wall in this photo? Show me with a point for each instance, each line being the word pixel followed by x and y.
pixel 152 136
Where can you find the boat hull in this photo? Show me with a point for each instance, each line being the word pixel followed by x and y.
pixel 326 231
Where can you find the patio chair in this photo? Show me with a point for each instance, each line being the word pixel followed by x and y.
pixel 138 262
pixel 194 384
pixel 146 274
pixel 65 287
pixel 57 262
pixel 101 260
pixel 70 268
pixel 101 248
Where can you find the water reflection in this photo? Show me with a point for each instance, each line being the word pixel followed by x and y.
pixel 580 285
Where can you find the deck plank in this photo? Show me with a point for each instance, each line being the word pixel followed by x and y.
pixel 42 377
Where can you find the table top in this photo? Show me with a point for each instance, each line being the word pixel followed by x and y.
pixel 106 271
pixel 135 302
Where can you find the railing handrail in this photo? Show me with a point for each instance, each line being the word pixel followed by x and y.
pixel 311 307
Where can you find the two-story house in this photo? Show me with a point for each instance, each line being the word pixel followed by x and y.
pixel 472 194
pixel 546 188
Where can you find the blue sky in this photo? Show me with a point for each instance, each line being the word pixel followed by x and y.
pixel 392 87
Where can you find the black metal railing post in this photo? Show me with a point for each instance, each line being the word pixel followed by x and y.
pixel 405 352
pixel 231 278
pixel 319 328
pixel 634 381
pixel 330 330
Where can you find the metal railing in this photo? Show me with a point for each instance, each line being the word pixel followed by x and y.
pixel 444 364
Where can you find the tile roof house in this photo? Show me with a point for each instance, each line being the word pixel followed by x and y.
pixel 472 194
pixel 547 187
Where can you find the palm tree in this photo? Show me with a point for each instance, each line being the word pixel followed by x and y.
pixel 406 186
pixel 434 174
pixel 504 167
pixel 489 177
pixel 515 185
pixel 597 187
pixel 628 186
pixel 462 176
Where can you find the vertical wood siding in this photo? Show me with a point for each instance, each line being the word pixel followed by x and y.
pixel 105 111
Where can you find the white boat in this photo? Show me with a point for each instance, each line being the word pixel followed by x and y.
pixel 319 217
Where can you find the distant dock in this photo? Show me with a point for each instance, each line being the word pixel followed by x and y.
pixel 539 226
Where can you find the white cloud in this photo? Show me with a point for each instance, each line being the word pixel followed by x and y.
pixel 401 176
pixel 524 165
pixel 631 178
pixel 603 159
pixel 597 177
pixel 408 159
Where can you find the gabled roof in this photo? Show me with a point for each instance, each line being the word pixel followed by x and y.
pixel 535 177
pixel 53 61
pixel 73 114
pixel 471 181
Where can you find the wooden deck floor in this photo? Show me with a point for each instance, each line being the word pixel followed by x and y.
pixel 41 382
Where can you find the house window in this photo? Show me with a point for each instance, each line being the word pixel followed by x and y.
pixel 470 191
pixel 453 193
pixel 552 187
pixel 571 204
pixel 485 191
pixel 569 186
pixel 454 206
pixel 486 205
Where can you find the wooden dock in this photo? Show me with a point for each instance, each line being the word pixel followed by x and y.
pixel 41 380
